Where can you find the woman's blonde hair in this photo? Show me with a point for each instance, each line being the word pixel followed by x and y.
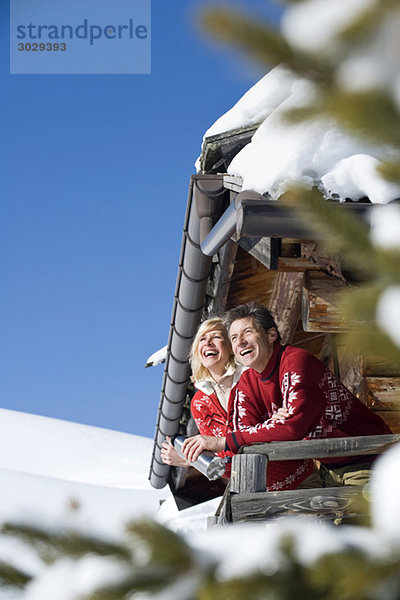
pixel 199 372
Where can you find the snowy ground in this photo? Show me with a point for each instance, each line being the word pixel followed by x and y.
pixel 64 476
pixel 49 468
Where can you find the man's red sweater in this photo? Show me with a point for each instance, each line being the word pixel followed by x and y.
pixel 212 419
pixel 320 406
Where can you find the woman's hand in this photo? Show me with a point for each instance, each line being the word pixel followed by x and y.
pixel 170 456
pixel 192 447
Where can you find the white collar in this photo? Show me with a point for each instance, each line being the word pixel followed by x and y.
pixel 208 385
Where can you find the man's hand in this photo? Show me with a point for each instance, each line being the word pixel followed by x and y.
pixel 280 415
pixel 170 456
pixel 192 447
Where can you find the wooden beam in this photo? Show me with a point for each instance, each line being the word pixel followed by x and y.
pixel 380 393
pixel 264 249
pixel 285 303
pixel 336 504
pixel 391 418
pixel 319 310
pixel 223 277
pixel 233 183
pixel 313 252
pixel 290 263
pixel 326 448
pixel 248 473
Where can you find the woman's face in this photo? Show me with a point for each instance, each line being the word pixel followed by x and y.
pixel 214 351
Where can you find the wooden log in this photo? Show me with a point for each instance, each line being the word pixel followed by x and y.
pixel 319 306
pixel 222 277
pixel 376 367
pixel 316 253
pixel 331 447
pixel 290 263
pixel 391 418
pixel 233 183
pixel 285 303
pixel 248 473
pixel 380 393
pixel 223 513
pixel 338 503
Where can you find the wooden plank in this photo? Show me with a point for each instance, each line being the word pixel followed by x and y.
pixel 350 446
pixel 288 263
pixel 285 303
pixel 376 367
pixel 223 278
pixel 380 393
pixel 338 503
pixel 314 252
pixel 223 514
pixel 217 148
pixel 248 473
pixel 320 311
pixel 391 418
pixel 233 183
pixel 264 249
pixel 250 281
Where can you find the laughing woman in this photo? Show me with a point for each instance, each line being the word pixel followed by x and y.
pixel 214 374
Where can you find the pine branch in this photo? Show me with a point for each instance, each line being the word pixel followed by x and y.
pixel 12 577
pixel 52 545
pixel 263 43
pixel 339 231
pixel 390 170
pixel 345 234
pixel 372 114
pixel 151 579
pixel 164 546
pixel 359 306
pixel 367 23
pixel 351 575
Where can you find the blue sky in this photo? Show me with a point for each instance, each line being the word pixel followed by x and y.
pixel 93 187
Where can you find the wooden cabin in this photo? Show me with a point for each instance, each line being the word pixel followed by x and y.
pixel 239 246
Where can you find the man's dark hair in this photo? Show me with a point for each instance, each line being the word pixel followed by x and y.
pixel 259 313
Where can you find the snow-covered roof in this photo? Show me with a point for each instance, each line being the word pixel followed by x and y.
pixel 317 151
pixel 311 152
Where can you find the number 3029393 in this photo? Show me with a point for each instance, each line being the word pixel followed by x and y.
pixel 42 47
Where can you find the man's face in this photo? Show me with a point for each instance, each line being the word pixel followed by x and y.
pixel 251 346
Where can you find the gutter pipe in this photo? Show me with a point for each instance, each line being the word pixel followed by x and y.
pixel 253 215
pixel 188 306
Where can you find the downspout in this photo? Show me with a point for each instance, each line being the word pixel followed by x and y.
pixel 189 302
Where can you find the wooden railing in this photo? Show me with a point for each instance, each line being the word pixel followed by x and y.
pixel 245 498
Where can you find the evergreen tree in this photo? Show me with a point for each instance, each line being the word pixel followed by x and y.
pixel 370 111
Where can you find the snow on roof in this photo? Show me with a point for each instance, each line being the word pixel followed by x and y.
pixel 313 26
pixel 157 358
pixel 317 151
pixel 312 152
pixel 257 103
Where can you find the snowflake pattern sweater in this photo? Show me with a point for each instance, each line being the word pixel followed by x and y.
pixel 320 406
pixel 210 416
pixel 212 419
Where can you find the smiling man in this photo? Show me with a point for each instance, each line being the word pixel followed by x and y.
pixel 293 383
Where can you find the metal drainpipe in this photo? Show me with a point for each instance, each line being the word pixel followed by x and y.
pixel 187 310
